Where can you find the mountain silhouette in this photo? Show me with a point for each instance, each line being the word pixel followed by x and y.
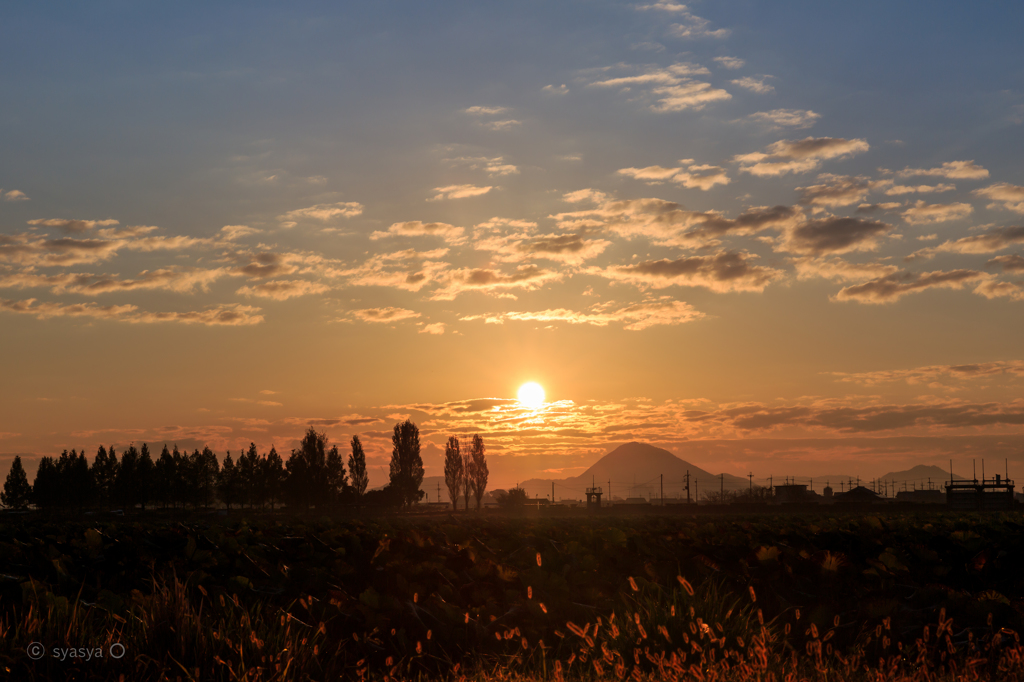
pixel 922 472
pixel 635 470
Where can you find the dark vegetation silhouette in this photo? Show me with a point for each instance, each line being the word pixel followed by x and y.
pixel 476 475
pixel 454 471
pixel 314 478
pixel 17 490
pixel 406 463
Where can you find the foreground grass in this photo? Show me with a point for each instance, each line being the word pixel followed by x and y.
pixel 485 599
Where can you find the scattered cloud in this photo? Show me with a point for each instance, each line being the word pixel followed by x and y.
pixel 283 289
pixel 840 270
pixel 834 236
pixel 176 279
pixel 897 190
pixel 798 156
pixel 837 190
pixel 691 175
pixel 384 315
pixel 691 95
pixel 485 111
pixel 571 248
pixel 725 271
pixel 556 89
pixel 1011 263
pixel 321 212
pixel 71 226
pixel 786 118
pixel 672 87
pixel 895 286
pixel 506 124
pixel 730 62
pixel 492 166
pixel 459 192
pixel 954 170
pixel 634 317
pixel 754 84
pixel 409 270
pixel 14 195
pixel 986 242
pixel 493 282
pixel 993 289
pixel 1010 196
pixel 435 328
pixel 416 228
pixel 923 214
pixel 222 315
pixel 930 373
pixel 233 232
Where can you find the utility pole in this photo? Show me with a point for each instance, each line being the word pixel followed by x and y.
pixel 751 477
pixel 687 486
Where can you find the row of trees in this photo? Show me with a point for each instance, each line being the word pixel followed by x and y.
pixel 314 476
pixel 465 474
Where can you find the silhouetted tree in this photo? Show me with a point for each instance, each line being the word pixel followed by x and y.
pixel 467 485
pixel 81 482
pixel 104 471
pixel 228 482
pixel 163 478
pixel 478 469
pixel 273 477
pixel 454 476
pixel 516 497
pixel 17 492
pixel 46 487
pixel 126 483
pixel 179 480
pixel 336 478
pixel 248 476
pixel 357 467
pixel 406 463
pixel 145 476
pixel 307 471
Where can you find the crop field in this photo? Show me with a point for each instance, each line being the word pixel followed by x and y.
pixel 829 597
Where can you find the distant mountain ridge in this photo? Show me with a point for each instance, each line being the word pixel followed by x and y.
pixel 637 470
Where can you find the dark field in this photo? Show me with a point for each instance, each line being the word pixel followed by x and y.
pixel 858 596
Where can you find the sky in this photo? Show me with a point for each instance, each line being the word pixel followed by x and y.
pixel 781 237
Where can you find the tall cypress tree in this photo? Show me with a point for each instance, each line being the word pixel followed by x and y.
pixel 406 463
pixel 357 467
pixel 454 476
pixel 17 492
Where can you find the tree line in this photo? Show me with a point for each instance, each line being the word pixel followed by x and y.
pixel 314 476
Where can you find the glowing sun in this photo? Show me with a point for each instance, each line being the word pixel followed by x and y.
pixel 531 394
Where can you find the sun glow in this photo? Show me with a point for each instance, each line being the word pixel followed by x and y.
pixel 531 394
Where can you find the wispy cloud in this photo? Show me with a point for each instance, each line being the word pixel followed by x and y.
pixel 923 214
pixel 222 315
pixel 14 195
pixel 690 175
pixel 485 111
pixel 321 212
pixel 283 289
pixel 417 228
pixel 834 235
pixel 725 271
pixel 891 288
pixel 837 190
pixel 384 315
pixel 954 170
pixel 634 317
pixel 1004 195
pixel 986 242
pixel 71 226
pixel 755 84
pixel 459 192
pixel 929 373
pixel 786 118
pixel 798 156
pixel 491 281
pixel 730 62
